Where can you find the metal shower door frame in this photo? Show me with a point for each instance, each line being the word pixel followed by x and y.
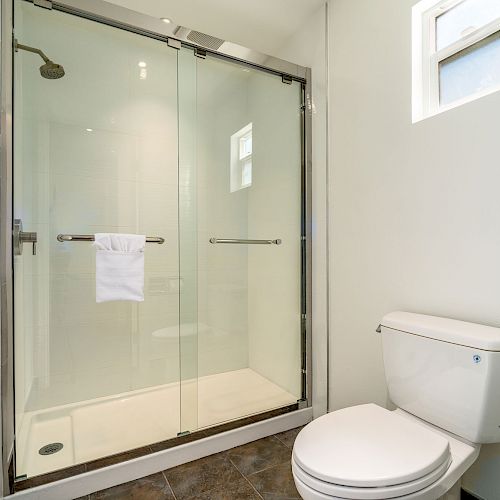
pixel 175 36
pixel 6 263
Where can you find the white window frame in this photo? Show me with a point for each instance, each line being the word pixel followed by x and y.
pixel 426 58
pixel 238 162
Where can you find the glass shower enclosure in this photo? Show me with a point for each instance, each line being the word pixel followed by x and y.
pixel 204 155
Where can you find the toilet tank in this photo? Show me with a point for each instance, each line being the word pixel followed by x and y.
pixel 444 371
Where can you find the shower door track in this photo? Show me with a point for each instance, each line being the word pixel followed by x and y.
pixel 175 36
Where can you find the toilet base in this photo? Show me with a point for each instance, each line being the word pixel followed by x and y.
pixel 454 492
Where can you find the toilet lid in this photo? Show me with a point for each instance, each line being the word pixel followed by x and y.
pixel 368 446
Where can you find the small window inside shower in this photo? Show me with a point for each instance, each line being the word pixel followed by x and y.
pixel 241 159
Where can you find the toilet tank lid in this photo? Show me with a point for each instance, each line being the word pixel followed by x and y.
pixel 453 331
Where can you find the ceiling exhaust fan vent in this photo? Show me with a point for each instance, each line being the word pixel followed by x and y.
pixel 210 42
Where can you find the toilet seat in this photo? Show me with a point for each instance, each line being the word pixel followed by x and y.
pixel 367 452
pixel 331 490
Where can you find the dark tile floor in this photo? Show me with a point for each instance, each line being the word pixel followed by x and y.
pixel 255 471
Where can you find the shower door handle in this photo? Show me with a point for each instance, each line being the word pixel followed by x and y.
pixel 20 237
pixel 238 241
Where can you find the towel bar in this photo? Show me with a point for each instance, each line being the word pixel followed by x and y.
pixel 245 242
pixel 90 237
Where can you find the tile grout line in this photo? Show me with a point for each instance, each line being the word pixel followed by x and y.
pixel 267 468
pixel 260 470
pixel 281 441
pixel 290 447
pixel 168 484
pixel 253 487
pixel 245 478
pixel 254 472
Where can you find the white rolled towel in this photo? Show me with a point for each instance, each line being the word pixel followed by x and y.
pixel 119 267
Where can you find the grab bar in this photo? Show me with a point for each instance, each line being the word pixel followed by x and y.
pixel 90 237
pixel 245 242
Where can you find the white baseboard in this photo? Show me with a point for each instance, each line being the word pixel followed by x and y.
pixel 100 479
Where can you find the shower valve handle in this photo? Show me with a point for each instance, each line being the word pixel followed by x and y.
pixel 21 237
pixel 29 237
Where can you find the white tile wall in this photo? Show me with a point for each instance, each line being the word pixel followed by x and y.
pixel 120 177
pixel 222 270
pixel 249 295
pixel 274 211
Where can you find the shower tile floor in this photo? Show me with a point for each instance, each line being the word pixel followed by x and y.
pixel 106 426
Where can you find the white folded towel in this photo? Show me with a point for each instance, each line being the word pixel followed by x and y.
pixel 119 267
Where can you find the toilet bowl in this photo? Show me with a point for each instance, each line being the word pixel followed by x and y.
pixel 442 374
pixel 347 454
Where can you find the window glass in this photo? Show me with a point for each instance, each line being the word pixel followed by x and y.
pixel 246 145
pixel 470 71
pixel 463 19
pixel 241 159
pixel 246 174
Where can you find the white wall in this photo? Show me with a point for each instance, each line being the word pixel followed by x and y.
pixel 415 222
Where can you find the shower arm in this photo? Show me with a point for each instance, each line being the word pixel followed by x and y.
pixel 18 46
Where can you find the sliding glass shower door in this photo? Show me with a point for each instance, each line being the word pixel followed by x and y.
pixel 95 151
pixel 240 182
pixel 202 155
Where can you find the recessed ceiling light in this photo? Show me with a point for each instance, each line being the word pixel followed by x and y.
pixel 142 64
pixel 89 129
pixel 166 20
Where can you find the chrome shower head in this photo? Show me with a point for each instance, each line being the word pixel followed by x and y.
pixel 50 69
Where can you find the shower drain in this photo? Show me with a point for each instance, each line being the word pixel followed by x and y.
pixel 51 448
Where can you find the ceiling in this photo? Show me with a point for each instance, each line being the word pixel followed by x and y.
pixel 263 25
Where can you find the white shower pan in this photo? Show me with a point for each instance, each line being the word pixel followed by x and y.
pixel 101 427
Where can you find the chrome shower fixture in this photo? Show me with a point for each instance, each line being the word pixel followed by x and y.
pixel 50 69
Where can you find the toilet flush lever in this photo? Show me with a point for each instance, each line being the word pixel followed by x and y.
pixel 20 237
pixel 379 329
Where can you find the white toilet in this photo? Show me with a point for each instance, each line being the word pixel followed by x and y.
pixel 444 377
